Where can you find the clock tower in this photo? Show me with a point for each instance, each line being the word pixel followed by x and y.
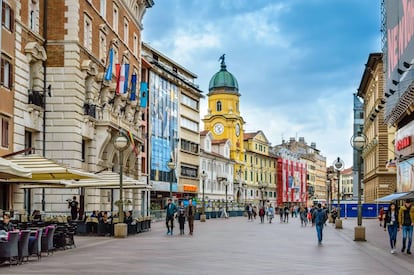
pixel 223 118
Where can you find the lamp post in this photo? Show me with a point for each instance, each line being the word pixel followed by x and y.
pixel 244 184
pixel 121 143
pixel 203 179
pixel 262 187
pixel 338 166
pixel 171 165
pixel 358 143
pixel 226 184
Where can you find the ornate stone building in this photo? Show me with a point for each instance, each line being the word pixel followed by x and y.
pixel 65 106
pixel 378 180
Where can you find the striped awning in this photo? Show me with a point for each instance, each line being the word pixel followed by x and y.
pixel 46 169
pixel 9 170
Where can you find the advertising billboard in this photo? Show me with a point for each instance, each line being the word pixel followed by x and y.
pixel 163 97
pixel 398 55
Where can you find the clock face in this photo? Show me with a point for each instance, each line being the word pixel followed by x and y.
pixel 237 129
pixel 218 128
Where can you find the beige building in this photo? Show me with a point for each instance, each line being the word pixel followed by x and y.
pixel 378 180
pixel 260 169
pixel 66 109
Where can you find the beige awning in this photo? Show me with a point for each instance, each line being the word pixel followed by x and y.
pixel 109 180
pixel 9 170
pixel 46 169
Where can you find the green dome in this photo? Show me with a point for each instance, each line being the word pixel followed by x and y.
pixel 223 79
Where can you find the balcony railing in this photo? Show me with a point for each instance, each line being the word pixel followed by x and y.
pixel 90 110
pixel 36 98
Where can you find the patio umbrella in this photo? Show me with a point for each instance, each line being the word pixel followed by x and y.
pixel 9 170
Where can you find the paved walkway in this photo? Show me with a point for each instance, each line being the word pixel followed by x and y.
pixel 233 246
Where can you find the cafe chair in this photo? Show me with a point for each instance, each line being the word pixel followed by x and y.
pixel 24 245
pixel 47 239
pixel 10 249
pixel 36 249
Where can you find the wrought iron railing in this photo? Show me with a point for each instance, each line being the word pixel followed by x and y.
pixel 36 98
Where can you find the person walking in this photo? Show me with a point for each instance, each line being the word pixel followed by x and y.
pixel 320 217
pixel 271 213
pixel 190 212
pixel 381 215
pixel 406 220
pixel 181 217
pixel 334 215
pixel 262 214
pixel 169 219
pixel 249 210
pixel 281 213
pixel 391 223
pixel 303 214
pixel 73 205
pixel 286 214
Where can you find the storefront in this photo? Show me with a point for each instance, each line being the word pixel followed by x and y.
pixel 404 149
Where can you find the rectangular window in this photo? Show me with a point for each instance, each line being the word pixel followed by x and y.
pixel 7 17
pixel 188 101
pixel 189 124
pixel 188 171
pixel 87 33
pixel 135 46
pixel 28 141
pixel 5 132
pixel 6 73
pixel 115 19
pixel 126 31
pixel 102 48
pixel 83 150
pixel 102 8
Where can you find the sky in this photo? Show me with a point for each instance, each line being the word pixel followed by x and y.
pixel 298 62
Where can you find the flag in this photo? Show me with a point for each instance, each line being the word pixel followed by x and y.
pixel 122 82
pixel 131 138
pixel 126 72
pixel 143 89
pixel 108 73
pixel 133 94
pixel 118 77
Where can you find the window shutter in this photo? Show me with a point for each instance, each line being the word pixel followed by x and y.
pixel 2 72
pixel 3 13
pixel 10 76
pixel 11 20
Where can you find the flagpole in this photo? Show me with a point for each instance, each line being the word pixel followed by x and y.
pixel 105 68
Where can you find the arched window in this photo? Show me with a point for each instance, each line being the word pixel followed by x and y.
pixel 218 107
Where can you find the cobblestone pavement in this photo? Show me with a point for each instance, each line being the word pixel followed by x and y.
pixel 233 246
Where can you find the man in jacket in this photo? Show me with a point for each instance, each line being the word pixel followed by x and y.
pixel 406 220
pixel 169 220
pixel 319 216
pixel 190 211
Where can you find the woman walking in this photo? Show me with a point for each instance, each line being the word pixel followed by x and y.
pixel 391 222
pixel 181 217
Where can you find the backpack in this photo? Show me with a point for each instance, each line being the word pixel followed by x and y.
pixel 320 217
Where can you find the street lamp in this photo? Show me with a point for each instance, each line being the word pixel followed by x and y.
pixel 171 165
pixel 203 215
pixel 358 143
pixel 226 183
pixel 338 166
pixel 121 143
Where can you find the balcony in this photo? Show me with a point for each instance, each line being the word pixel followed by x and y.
pixel 36 98
pixel 89 109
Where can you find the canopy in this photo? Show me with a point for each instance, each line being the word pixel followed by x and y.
pixel 46 169
pixel 409 195
pixel 9 170
pixel 109 180
pixel 391 197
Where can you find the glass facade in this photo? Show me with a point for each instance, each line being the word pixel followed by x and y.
pixel 164 129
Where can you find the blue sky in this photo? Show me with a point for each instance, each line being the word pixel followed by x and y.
pixel 298 62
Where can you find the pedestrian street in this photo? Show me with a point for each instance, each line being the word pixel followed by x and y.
pixel 232 246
